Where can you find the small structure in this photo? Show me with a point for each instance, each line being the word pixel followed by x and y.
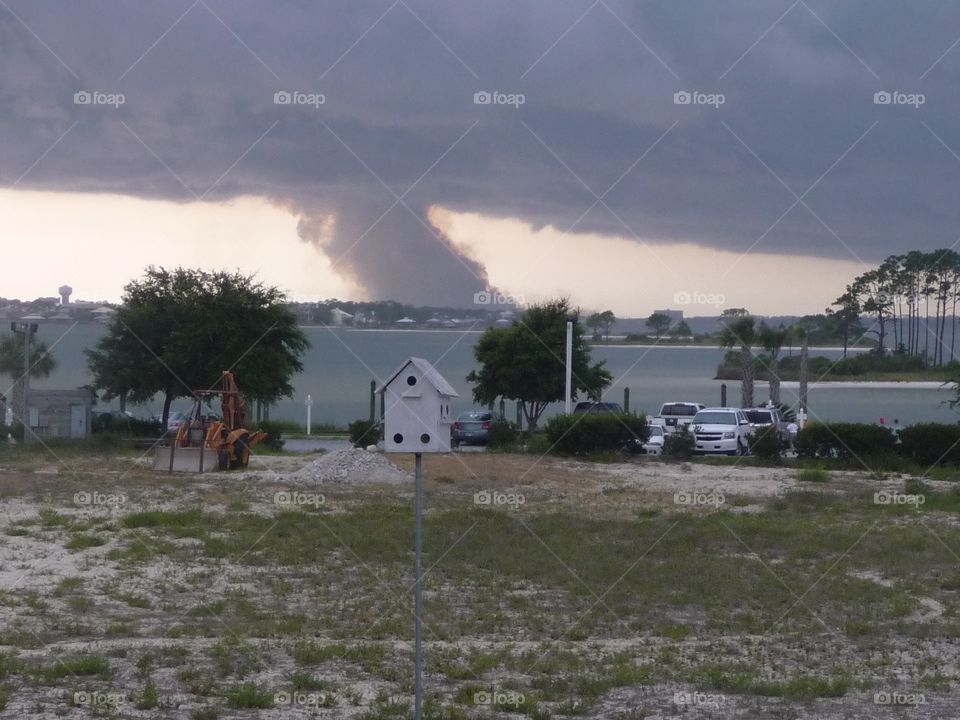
pixel 60 413
pixel 65 292
pixel 417 415
pixel 339 318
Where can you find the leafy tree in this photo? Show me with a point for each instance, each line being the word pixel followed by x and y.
pixel 733 313
pixel 41 364
pixel 525 362
pixel 179 330
pixel 741 333
pixel 682 329
pixel 659 323
pixel 601 322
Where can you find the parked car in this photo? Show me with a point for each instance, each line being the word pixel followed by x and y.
pixel 675 414
pixel 654 444
pixel 594 408
pixel 175 420
pixel 473 427
pixel 724 431
pixel 763 417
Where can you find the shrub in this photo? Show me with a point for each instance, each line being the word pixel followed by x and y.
pixel 502 435
pixel 603 432
pixel 363 433
pixel 767 445
pixel 845 441
pixel 274 431
pixel 814 475
pixel 120 424
pixel 680 444
pixel 931 444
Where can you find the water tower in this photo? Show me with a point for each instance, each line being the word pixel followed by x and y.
pixel 65 292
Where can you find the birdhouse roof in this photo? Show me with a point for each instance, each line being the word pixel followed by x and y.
pixel 428 372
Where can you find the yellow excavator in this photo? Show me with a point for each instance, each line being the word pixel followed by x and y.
pixel 227 435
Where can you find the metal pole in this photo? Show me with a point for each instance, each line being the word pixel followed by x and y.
pixel 723 394
pixel 309 411
pixel 568 401
pixel 26 385
pixel 626 399
pixel 418 593
pixel 373 401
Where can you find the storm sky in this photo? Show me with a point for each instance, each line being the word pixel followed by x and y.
pixel 818 137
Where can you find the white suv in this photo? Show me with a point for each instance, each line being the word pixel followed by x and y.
pixel 674 415
pixel 721 431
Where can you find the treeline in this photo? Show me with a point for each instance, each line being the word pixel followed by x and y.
pixel 913 301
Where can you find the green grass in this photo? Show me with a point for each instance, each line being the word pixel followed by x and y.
pixel 83 664
pixel 248 695
pixel 813 475
pixel 84 541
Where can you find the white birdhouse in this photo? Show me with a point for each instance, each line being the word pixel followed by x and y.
pixel 416 415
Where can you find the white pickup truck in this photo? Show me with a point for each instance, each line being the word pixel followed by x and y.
pixel 675 415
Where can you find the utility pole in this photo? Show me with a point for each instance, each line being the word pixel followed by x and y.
pixel 27 330
pixel 568 397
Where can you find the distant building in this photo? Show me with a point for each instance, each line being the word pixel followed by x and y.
pixel 339 318
pixel 65 292
pixel 406 322
pixel 60 413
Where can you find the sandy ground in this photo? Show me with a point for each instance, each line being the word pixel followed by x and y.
pixel 32 568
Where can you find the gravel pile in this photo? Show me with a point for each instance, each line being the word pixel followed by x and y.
pixel 352 467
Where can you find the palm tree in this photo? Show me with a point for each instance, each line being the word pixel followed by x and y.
pixel 772 339
pixel 41 364
pixel 742 333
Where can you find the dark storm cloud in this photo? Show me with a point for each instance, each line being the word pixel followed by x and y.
pixel 399 130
